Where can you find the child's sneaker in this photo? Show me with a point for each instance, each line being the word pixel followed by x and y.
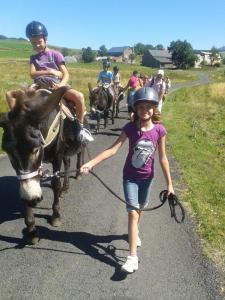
pixel 85 136
pixel 138 242
pixel 130 265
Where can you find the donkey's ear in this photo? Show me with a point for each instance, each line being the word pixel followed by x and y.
pixel 38 106
pixel 90 88
pixel 3 119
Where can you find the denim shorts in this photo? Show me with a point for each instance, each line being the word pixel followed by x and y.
pixel 130 109
pixel 137 192
pixel 130 98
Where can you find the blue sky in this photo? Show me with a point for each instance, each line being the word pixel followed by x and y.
pixel 78 24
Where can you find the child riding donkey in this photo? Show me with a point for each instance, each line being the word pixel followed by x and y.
pixel 118 88
pixel 48 70
pixel 105 78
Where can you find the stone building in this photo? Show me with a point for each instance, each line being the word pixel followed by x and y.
pixel 157 59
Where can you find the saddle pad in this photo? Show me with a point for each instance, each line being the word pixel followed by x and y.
pixel 53 130
pixel 66 109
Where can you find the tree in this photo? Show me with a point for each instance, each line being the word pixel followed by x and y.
pixel 139 48
pixel 102 51
pixel 132 57
pixel 159 47
pixel 182 54
pixel 149 47
pixel 214 55
pixel 88 55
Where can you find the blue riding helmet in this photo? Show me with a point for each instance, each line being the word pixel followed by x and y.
pixel 146 94
pixel 35 29
pixel 106 63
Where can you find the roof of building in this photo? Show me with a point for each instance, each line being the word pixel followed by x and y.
pixel 160 53
pixel 118 49
pixel 164 60
pixel 162 56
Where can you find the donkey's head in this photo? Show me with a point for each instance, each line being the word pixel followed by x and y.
pixel 100 99
pixel 22 139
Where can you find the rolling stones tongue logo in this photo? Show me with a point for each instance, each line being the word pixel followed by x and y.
pixel 143 150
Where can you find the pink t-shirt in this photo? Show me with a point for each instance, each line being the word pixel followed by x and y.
pixel 133 82
pixel 142 147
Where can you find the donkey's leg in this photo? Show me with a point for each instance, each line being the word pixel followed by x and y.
pixel 113 111
pixel 56 186
pixel 98 115
pixel 118 107
pixel 31 235
pixel 106 115
pixel 66 183
pixel 79 163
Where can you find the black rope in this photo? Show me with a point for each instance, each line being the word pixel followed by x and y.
pixel 173 203
pixel 124 201
pixel 163 197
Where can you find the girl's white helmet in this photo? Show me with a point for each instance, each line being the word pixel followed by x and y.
pixel 160 72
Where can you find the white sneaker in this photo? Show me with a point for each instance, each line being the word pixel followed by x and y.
pixel 130 265
pixel 86 136
pixel 138 242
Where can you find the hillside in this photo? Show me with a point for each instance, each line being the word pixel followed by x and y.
pixel 21 49
pixel 13 48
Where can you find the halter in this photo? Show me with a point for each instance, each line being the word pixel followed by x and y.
pixel 28 175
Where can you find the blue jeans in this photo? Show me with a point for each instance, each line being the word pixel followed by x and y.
pixel 137 193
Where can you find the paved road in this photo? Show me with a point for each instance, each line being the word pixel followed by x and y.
pixel 82 258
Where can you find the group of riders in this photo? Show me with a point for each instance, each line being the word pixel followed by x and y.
pixel 110 81
pixel 48 70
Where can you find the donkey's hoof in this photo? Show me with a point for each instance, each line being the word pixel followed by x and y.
pixel 65 188
pixel 78 177
pixel 32 238
pixel 56 221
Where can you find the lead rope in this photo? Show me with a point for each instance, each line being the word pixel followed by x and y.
pixel 173 200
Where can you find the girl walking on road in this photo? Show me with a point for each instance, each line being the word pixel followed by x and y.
pixel 146 134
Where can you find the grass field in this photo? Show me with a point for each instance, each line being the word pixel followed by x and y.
pixel 196 130
pixel 11 49
pixel 14 73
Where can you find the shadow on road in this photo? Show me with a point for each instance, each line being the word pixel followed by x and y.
pixel 99 247
pixel 11 206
